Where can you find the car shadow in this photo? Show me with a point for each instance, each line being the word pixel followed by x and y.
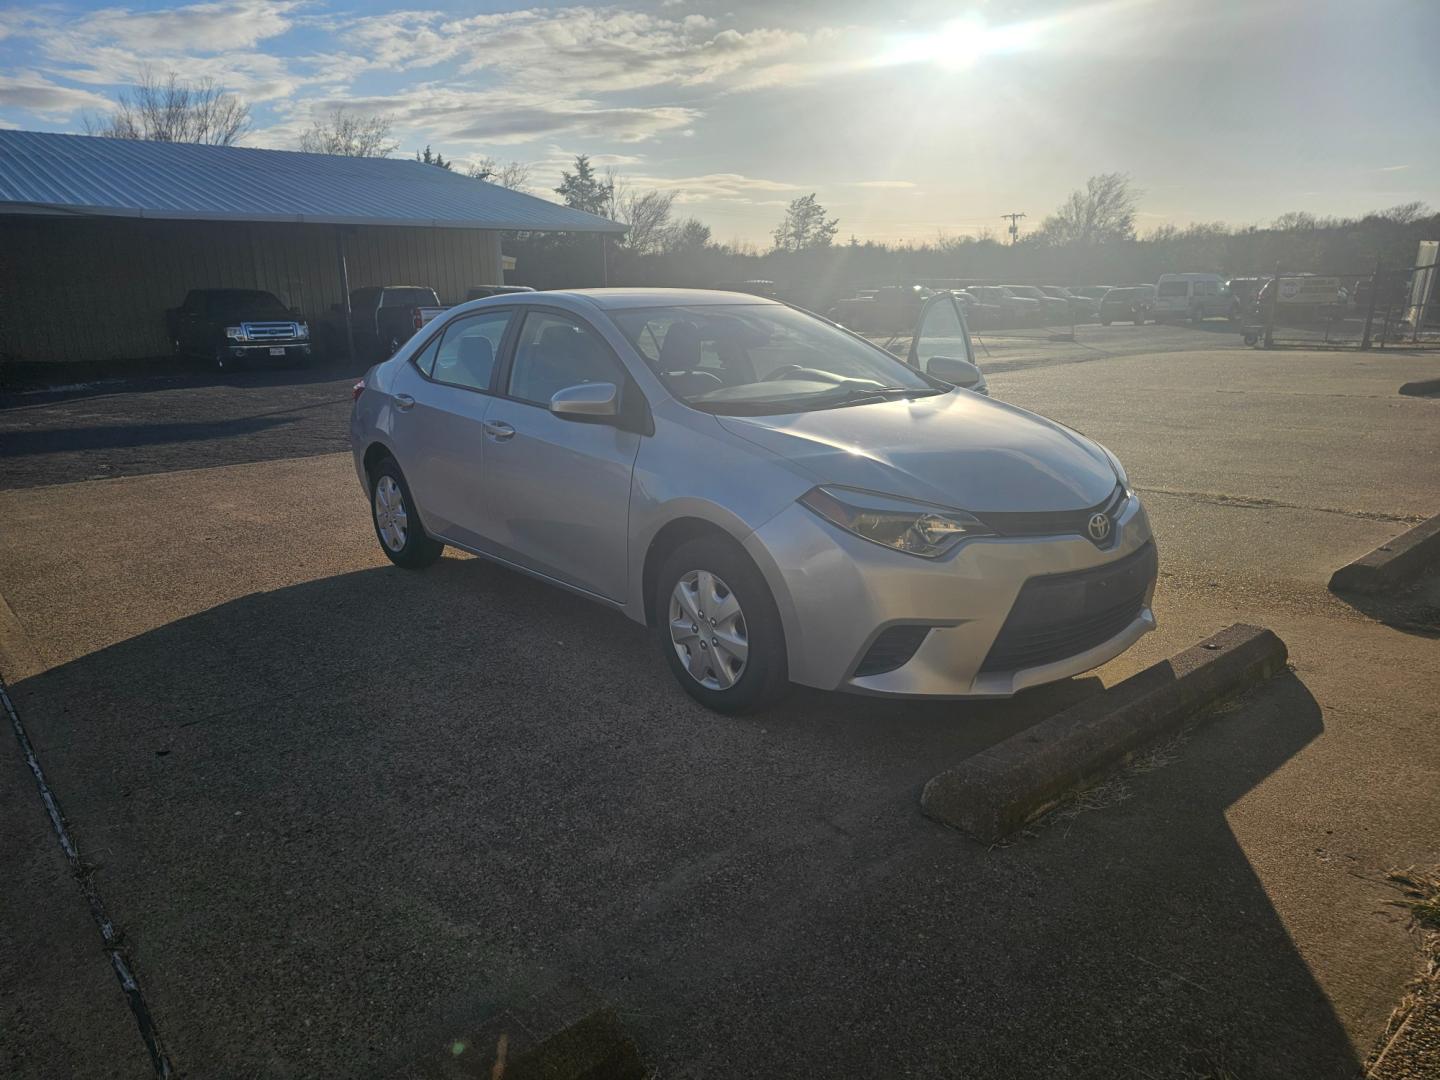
pixel 334 820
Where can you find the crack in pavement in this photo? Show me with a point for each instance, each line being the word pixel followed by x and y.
pixel 1246 502
pixel 113 938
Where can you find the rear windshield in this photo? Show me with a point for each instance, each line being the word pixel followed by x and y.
pixel 1173 288
pixel 1119 294
pixel 409 298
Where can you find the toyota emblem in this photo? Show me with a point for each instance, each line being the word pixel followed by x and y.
pixel 1099 528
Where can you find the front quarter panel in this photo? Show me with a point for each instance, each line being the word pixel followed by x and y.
pixel 693 468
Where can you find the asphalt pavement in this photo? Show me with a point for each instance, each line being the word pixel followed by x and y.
pixel 335 808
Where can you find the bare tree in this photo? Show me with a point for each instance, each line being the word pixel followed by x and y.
pixel 348 135
pixel 171 110
pixel 648 218
pixel 1406 213
pixel 1101 213
pixel 514 175
pixel 805 226
pixel 1295 221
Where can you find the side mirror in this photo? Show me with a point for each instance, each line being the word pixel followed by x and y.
pixel 953 370
pixel 588 401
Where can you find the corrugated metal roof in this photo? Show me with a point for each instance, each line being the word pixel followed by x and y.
pixel 46 172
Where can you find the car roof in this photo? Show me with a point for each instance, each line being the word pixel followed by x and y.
pixel 611 299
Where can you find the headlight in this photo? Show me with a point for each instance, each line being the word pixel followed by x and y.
pixel 302 330
pixel 235 333
pixel 912 527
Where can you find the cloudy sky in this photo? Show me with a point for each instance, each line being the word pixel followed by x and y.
pixel 908 119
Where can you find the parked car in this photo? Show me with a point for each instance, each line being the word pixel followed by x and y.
pixel 1191 296
pixel 1093 292
pixel 1053 310
pixel 780 499
pixel 480 292
pixel 234 328
pixel 1082 308
pixel 1131 303
pixel 889 308
pixel 1016 310
pixel 754 286
pixel 980 314
pixel 383 318
pixel 1245 295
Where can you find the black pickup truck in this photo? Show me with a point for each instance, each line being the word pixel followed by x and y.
pixel 383 318
pixel 232 328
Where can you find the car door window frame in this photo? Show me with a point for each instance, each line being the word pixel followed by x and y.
pixel 502 351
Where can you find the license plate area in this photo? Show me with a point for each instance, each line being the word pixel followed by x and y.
pixel 277 352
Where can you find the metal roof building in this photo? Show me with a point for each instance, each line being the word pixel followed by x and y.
pixel 98 237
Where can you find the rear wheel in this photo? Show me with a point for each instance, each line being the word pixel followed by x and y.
pixel 719 628
pixel 397 524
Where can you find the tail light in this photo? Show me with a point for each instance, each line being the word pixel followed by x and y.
pixel 419 319
pixel 357 390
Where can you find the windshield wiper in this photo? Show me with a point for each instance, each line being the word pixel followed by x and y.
pixel 858 395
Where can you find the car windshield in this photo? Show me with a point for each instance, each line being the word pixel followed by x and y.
pixel 763 359
pixel 409 298
pixel 238 302
pixel 1173 288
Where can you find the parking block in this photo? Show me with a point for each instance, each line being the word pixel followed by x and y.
pixel 1391 564
pixel 992 794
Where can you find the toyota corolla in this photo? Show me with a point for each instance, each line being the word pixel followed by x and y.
pixel 780 499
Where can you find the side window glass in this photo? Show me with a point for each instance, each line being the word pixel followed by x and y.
pixel 466 355
pixel 425 358
pixel 554 352
pixel 941 333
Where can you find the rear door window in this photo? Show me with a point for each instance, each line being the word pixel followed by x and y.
pixel 1174 288
pixel 468 347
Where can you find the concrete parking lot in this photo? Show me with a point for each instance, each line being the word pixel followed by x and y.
pixel 336 809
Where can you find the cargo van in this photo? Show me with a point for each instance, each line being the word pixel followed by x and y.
pixel 1191 296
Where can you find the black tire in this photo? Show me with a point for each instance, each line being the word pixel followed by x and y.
pixel 763 680
pixel 224 362
pixel 1104 322
pixel 1139 320
pixel 418 550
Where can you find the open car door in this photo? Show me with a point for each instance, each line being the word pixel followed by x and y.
pixel 941 346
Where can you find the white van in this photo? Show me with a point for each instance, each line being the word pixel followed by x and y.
pixel 1192 296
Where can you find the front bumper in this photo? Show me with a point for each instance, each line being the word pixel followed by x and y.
pixel 838 594
pixel 290 350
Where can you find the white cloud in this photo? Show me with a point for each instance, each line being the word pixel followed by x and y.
pixel 33 92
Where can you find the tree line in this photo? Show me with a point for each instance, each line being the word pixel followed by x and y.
pixel 1090 239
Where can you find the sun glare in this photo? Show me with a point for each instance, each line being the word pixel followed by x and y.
pixel 961 43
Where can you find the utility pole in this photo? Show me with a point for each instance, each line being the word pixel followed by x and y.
pixel 1014 220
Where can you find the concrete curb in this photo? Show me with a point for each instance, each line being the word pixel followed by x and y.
pixel 564 1032
pixel 1392 564
pixel 1421 388
pixel 991 795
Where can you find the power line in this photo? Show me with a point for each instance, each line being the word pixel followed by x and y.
pixel 1014 220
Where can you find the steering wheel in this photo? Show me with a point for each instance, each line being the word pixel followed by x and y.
pixel 695 373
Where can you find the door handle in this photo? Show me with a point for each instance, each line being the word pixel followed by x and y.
pixel 404 402
pixel 499 431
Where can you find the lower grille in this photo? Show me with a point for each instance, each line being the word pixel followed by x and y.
pixel 892 649
pixel 1060 615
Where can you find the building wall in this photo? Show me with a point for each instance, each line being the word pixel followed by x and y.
pixel 95 289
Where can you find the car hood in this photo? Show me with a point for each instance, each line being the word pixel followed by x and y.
pixel 955 449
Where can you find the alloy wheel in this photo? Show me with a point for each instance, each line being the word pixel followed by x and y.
pixel 708 631
pixel 391 520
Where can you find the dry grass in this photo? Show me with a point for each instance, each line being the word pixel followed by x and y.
pixel 1420 896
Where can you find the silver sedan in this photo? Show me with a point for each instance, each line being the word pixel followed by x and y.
pixel 780 499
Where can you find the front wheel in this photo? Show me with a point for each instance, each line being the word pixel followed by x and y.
pixel 719 628
pixel 397 524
